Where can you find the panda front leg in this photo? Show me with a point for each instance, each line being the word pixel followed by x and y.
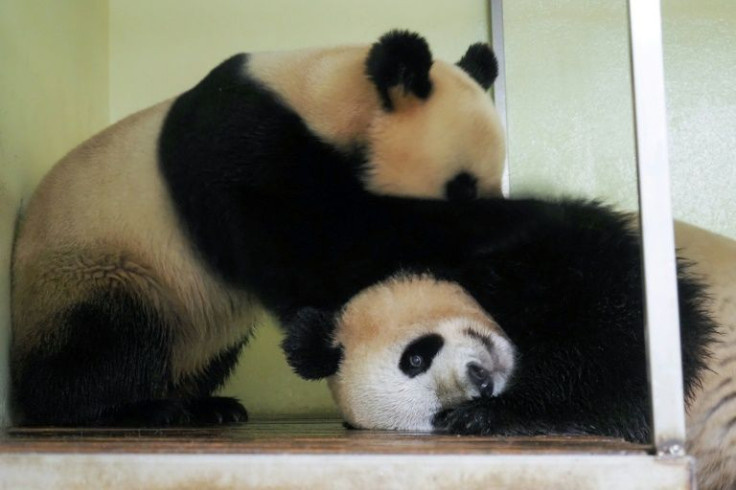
pixel 507 417
pixel 106 362
pixel 557 397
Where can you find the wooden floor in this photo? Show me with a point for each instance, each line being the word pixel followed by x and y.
pixel 322 455
pixel 310 436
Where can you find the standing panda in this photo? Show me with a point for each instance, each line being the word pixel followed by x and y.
pixel 144 255
pixel 542 333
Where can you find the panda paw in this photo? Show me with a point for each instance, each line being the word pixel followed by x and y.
pixel 217 410
pixel 490 417
pixel 154 413
pixel 182 413
pixel 471 418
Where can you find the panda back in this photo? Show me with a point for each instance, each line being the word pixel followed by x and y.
pixel 102 219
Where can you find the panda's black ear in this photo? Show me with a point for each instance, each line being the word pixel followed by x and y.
pixel 480 63
pixel 308 344
pixel 400 59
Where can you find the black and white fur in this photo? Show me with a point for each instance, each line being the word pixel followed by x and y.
pixel 711 421
pixel 566 293
pixel 409 347
pixel 146 254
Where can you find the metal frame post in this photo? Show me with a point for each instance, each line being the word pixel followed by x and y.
pixel 658 245
pixel 660 273
pixel 499 86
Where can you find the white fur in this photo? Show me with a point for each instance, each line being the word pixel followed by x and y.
pixel 374 393
pixel 711 435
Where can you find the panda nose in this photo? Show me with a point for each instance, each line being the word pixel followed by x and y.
pixel 462 187
pixel 481 378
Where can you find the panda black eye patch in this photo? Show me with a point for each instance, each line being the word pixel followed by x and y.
pixel 418 355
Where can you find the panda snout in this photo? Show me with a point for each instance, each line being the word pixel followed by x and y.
pixel 481 379
pixel 462 187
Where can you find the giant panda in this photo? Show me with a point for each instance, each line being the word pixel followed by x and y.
pixel 403 350
pixel 145 255
pixel 542 333
pixel 711 417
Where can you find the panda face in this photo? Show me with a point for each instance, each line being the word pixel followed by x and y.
pixel 449 145
pixel 412 347
pixel 438 135
pixel 436 367
pixel 424 128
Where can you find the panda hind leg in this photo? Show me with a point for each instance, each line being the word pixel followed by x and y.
pixel 106 362
pixel 98 357
pixel 217 410
pixel 205 409
pixel 173 412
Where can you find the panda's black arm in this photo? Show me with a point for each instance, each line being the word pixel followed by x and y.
pixel 279 212
pixel 569 298
pixel 503 419
pixel 563 394
pixel 571 302
pixel 324 251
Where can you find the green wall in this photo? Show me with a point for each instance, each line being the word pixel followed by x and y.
pixel 570 108
pixel 53 95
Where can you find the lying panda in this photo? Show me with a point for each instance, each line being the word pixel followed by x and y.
pixel 711 422
pixel 145 254
pixel 540 334
pixel 402 351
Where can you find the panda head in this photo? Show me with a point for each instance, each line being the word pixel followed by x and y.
pixel 437 134
pixel 402 351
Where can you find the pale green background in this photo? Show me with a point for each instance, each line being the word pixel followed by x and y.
pixel 570 108
pixel 70 68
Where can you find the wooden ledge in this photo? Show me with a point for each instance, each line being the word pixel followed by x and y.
pixel 320 455
pixel 294 437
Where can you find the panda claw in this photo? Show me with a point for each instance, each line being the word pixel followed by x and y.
pixel 472 419
pixel 218 410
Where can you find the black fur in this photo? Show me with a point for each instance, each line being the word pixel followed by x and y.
pixel 400 58
pixel 109 350
pixel 463 187
pixel 180 412
pixel 308 347
pixel 108 363
pixel 568 293
pixel 217 410
pixel 213 376
pixel 270 208
pixel 423 349
pixel 480 63
pixel 273 209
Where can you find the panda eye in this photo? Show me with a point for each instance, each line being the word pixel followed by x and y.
pixel 418 355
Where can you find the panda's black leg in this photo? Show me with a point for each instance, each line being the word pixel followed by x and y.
pixel 217 410
pixel 102 357
pixel 154 413
pixel 204 408
pixel 529 416
pixel 193 404
pixel 181 413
